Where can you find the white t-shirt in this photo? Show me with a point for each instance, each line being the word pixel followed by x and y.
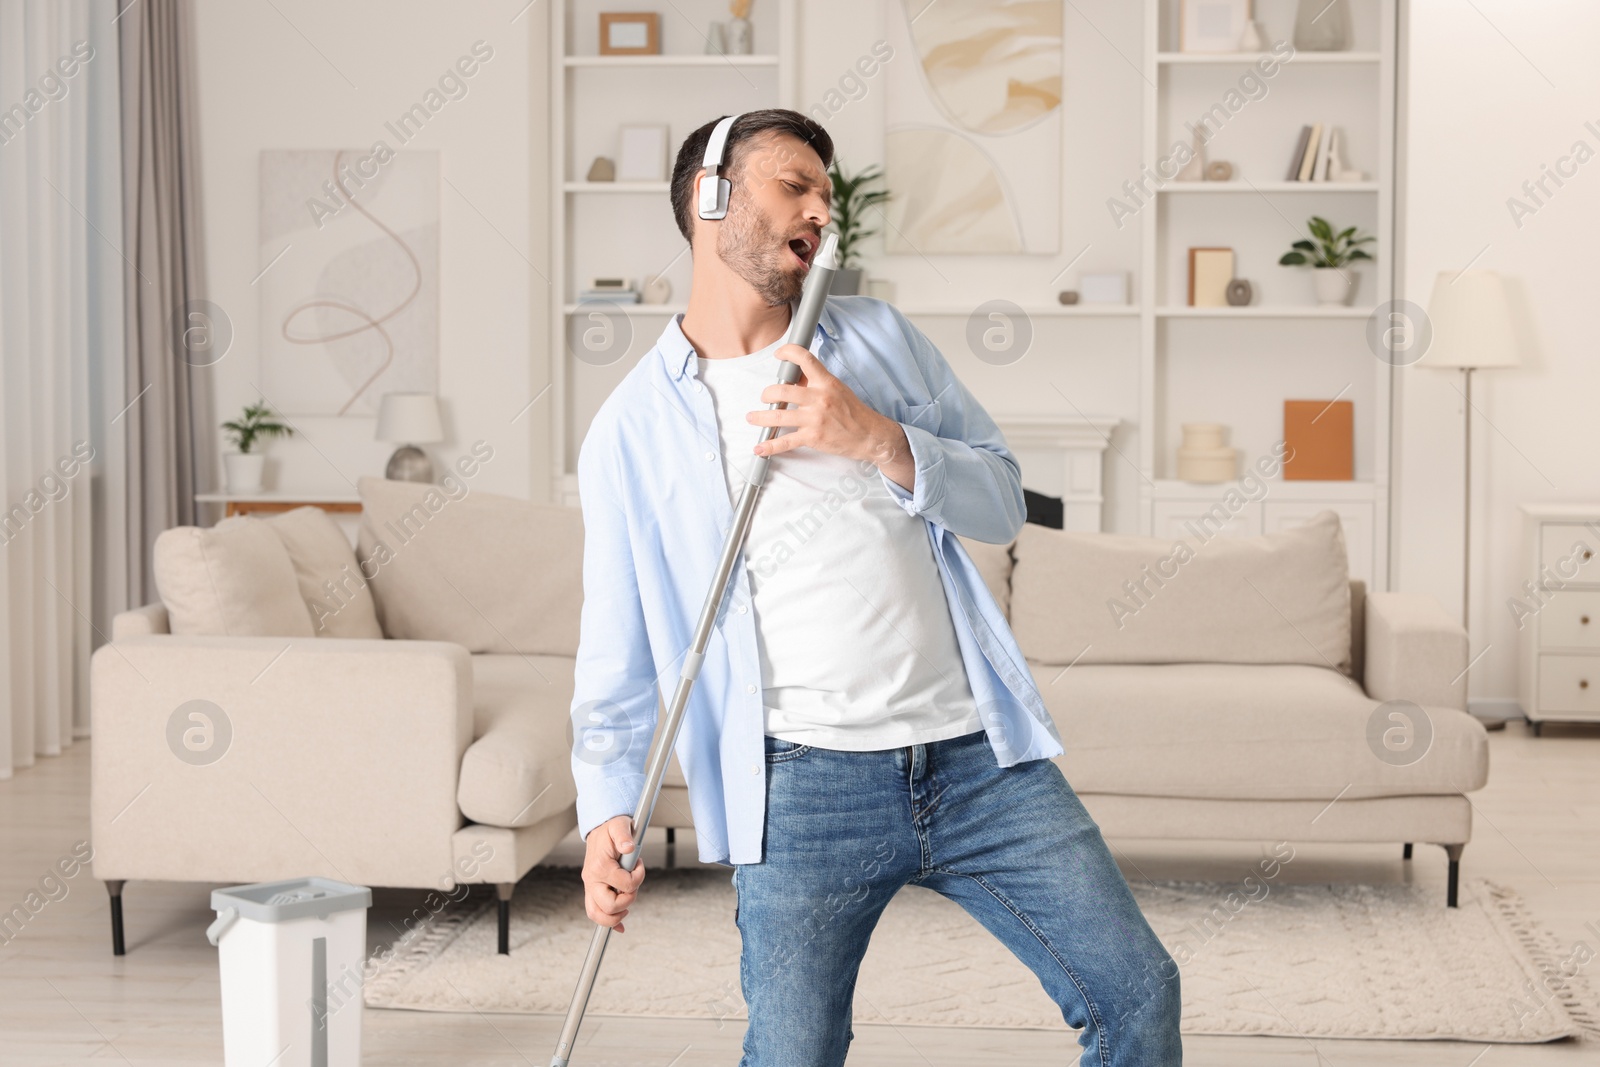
pixel 858 649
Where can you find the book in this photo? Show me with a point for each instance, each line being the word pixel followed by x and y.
pixel 1210 271
pixel 1318 435
pixel 1299 154
pixel 1319 170
pixel 1311 153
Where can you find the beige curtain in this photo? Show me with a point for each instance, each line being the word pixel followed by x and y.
pixel 60 315
pixel 169 425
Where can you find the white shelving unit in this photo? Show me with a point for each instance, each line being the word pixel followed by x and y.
pixel 626 228
pixel 1237 365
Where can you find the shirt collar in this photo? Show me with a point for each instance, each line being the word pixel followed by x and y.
pixel 677 353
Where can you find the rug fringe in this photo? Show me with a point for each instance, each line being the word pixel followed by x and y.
pixel 1575 994
pixel 408 957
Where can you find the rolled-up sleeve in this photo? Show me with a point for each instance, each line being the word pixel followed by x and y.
pixel 967 480
pixel 615 700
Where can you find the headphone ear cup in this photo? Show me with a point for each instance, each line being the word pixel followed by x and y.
pixel 720 209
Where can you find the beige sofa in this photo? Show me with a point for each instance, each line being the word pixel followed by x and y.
pixel 428 743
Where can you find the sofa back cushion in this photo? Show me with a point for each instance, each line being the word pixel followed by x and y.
pixel 233 579
pixel 491 573
pixel 994 564
pixel 1113 598
pixel 331 585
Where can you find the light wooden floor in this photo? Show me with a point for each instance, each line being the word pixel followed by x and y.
pixel 64 998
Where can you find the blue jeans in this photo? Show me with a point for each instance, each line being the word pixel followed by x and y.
pixel 1013 846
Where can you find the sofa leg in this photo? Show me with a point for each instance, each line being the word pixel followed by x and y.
pixel 1454 852
pixel 114 887
pixel 1405 855
pixel 672 846
pixel 503 890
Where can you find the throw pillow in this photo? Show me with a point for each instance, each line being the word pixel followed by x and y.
pixel 233 579
pixel 1113 598
pixel 335 593
pixel 491 573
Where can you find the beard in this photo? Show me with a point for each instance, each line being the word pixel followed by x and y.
pixel 756 252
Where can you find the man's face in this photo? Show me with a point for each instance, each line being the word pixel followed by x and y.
pixel 776 212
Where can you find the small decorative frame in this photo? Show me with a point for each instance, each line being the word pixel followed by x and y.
pixel 1212 25
pixel 630 33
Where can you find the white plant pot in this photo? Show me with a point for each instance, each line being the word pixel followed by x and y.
pixel 1333 285
pixel 243 471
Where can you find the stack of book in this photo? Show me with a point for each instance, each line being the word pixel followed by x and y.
pixel 629 295
pixel 1317 156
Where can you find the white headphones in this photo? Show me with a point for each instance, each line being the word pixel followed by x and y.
pixel 714 188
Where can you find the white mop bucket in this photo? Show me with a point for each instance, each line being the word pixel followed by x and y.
pixel 291 955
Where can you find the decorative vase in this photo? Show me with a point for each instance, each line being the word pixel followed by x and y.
pixel 846 282
pixel 243 471
pixel 716 40
pixel 1254 38
pixel 739 34
pixel 1195 169
pixel 1333 285
pixel 1321 26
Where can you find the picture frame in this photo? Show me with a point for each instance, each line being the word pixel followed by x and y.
pixel 1212 25
pixel 642 153
pixel 1210 271
pixel 630 33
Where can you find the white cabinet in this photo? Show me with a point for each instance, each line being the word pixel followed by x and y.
pixel 1558 614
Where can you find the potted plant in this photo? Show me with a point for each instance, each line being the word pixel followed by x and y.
pixel 244 466
pixel 852 198
pixel 1328 253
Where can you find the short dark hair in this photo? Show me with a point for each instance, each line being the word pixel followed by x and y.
pixel 692 154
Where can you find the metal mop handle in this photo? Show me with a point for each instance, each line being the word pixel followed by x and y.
pixel 802 328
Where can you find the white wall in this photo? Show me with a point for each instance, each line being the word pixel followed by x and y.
pixel 302 74
pixel 1494 94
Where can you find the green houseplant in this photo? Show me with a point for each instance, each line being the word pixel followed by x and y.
pixel 257 423
pixel 853 197
pixel 1328 252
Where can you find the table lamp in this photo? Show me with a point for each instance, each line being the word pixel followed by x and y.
pixel 412 419
pixel 1471 321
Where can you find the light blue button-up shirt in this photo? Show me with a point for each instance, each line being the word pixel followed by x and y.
pixel 656 514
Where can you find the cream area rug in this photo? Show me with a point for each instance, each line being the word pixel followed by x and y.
pixel 1349 961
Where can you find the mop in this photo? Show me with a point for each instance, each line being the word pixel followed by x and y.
pixel 802 329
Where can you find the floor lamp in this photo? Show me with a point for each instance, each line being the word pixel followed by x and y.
pixel 1471 322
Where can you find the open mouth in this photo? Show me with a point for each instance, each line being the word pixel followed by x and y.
pixel 804 247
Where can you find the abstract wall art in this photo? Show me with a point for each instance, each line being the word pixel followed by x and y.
pixel 350 278
pixel 972 126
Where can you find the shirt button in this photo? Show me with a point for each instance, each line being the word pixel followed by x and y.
pixel 754 769
pixel 749 689
pixel 743 609
pixel 711 455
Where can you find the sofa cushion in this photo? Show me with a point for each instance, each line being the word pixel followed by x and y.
pixel 234 579
pixel 994 563
pixel 518 770
pixel 491 573
pixel 1112 598
pixel 1219 730
pixel 335 594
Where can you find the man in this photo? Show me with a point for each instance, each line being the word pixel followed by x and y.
pixel 863 719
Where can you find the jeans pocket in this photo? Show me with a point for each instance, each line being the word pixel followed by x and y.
pixel 779 751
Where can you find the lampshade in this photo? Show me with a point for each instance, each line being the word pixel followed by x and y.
pixel 1471 322
pixel 411 418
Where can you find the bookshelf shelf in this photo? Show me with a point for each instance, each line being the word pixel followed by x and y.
pixel 685 60
pixel 1185 59
pixel 1265 311
pixel 1269 187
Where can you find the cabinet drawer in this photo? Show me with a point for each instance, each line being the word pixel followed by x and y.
pixel 1570 684
pixel 1568 552
pixel 1571 619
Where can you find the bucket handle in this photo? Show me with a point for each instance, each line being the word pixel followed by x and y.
pixel 225 918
